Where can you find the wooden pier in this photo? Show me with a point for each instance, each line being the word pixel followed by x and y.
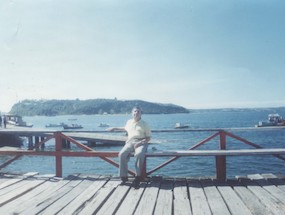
pixel 91 137
pixel 80 194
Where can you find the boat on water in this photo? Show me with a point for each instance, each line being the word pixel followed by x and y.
pixel 16 120
pixel 103 125
pixel 55 125
pixel 72 126
pixel 180 125
pixel 274 119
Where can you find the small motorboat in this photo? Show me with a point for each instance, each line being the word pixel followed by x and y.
pixel 179 125
pixel 103 125
pixel 72 126
pixel 273 120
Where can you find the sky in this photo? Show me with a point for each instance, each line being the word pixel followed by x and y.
pixel 193 53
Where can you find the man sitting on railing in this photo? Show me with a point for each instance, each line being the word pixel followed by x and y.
pixel 139 135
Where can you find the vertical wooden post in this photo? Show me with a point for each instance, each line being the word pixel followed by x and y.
pixel 68 144
pixel 43 145
pixel 144 175
pixel 221 168
pixel 65 144
pixel 58 155
pixel 37 140
pixel 30 144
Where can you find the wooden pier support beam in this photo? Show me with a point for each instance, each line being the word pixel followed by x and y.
pixel 37 140
pixel 65 143
pixel 91 143
pixel 42 145
pixel 30 142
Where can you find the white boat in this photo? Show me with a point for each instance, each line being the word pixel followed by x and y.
pixel 180 125
pixel 16 120
pixel 273 120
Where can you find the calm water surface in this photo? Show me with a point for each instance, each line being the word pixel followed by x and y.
pixel 194 166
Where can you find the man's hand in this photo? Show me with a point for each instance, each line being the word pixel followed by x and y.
pixel 138 144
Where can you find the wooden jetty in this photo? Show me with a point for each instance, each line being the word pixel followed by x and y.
pixel 81 194
pixel 91 137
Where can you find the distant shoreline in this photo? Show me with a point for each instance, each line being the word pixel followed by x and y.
pixel 236 109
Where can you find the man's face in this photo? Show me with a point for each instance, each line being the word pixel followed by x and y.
pixel 136 114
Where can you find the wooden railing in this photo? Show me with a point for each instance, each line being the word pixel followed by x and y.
pixel 219 154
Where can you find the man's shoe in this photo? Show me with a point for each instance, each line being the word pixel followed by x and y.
pixel 137 182
pixel 124 180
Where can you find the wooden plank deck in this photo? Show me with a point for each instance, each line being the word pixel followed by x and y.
pixel 81 194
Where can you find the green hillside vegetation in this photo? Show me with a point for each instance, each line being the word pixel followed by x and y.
pixel 91 106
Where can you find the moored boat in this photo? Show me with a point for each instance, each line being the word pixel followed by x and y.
pixel 16 120
pixel 179 125
pixel 72 126
pixel 103 125
pixel 273 120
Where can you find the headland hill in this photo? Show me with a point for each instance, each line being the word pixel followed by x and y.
pixel 56 107
pixel 91 106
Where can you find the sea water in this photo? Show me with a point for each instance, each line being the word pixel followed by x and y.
pixel 182 167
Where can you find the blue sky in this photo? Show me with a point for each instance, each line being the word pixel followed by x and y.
pixel 194 53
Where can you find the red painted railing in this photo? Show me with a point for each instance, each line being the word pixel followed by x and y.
pixel 106 155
